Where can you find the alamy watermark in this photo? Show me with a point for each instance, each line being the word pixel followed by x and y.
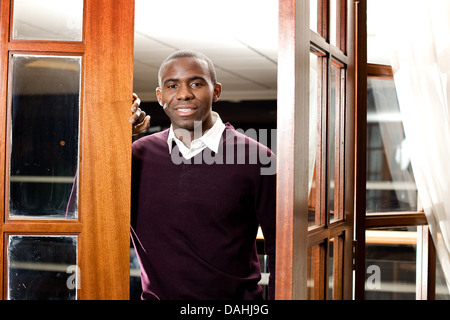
pixel 373 282
pixel 234 150
pixel 73 281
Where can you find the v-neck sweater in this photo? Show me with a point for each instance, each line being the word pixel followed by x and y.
pixel 194 222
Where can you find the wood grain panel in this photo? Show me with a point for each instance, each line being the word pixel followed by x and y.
pixel 360 142
pixel 4 31
pixel 292 145
pixel 105 181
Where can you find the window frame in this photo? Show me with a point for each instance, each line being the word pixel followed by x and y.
pixel 426 255
pixel 296 41
pixel 326 232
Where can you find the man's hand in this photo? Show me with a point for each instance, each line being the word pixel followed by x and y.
pixel 139 120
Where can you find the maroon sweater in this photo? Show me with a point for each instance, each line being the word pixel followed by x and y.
pixel 194 225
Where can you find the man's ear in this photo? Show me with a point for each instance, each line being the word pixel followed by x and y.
pixel 159 96
pixel 217 91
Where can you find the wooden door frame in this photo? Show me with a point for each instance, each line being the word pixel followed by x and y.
pixel 360 146
pixel 107 139
pixel 292 145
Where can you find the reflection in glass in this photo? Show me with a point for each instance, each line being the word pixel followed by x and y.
pixel 332 140
pixel 337 84
pixel 45 102
pixel 42 267
pixel 310 274
pixel 314 85
pixel 315 272
pixel 390 182
pixel 48 20
pixel 391 264
pixel 331 269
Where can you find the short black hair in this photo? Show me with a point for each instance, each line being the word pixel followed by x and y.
pixel 190 54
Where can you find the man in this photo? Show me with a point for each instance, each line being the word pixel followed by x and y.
pixel 198 194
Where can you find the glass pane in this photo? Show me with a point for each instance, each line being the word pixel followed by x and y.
pixel 314 98
pixel 42 267
pixel 135 276
pixel 331 269
pixel 315 272
pixel 335 268
pixel 391 264
pixel 378 49
pixel 333 22
pixel 390 182
pixel 313 19
pixel 48 20
pixel 442 286
pixel 45 103
pixel 310 274
pixel 334 142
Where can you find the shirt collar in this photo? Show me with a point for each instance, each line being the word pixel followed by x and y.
pixel 210 139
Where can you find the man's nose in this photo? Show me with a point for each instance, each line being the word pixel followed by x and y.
pixel 184 93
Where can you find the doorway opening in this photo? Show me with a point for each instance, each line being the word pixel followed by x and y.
pixel 241 38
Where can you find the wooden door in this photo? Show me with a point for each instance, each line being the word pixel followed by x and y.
pixel 66 84
pixel 316 106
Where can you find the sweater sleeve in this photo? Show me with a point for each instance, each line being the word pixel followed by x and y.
pixel 266 214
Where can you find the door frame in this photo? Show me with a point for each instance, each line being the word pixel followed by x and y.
pixel 107 51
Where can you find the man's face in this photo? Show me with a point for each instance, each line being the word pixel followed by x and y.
pixel 187 93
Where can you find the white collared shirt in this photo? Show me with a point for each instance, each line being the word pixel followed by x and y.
pixel 210 139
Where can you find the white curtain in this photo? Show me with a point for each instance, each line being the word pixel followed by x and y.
pixel 421 64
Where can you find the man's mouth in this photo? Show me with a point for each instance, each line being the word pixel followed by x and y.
pixel 185 112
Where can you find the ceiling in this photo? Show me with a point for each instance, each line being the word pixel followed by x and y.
pixel 239 36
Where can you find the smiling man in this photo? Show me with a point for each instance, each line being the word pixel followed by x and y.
pixel 194 225
pixel 187 89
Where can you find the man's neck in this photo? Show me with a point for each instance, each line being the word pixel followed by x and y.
pixel 188 135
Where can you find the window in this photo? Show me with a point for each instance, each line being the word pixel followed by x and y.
pixel 397 239
pixel 400 262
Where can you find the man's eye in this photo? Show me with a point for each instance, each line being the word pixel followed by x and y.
pixel 196 84
pixel 171 86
